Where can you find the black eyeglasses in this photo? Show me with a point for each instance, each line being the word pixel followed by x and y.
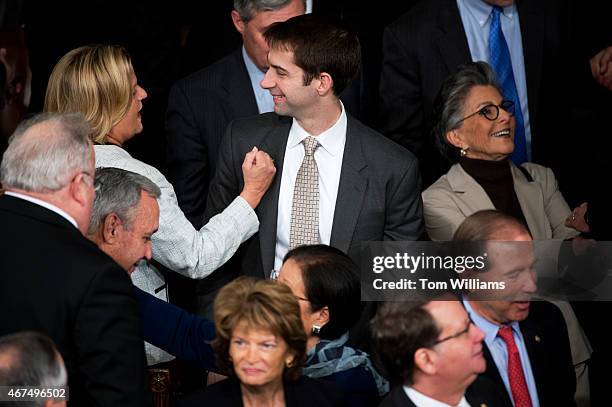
pixel 458 334
pixel 491 112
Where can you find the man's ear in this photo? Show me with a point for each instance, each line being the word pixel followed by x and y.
pixel 238 23
pixel 424 361
pixel 79 189
pixel 326 83
pixel 111 228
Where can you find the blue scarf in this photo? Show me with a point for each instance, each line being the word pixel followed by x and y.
pixel 329 357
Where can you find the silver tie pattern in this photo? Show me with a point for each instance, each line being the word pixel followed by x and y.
pixel 304 227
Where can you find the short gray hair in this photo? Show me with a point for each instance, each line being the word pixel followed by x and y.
pixel 46 151
pixel 246 8
pixel 31 360
pixel 450 102
pixel 118 191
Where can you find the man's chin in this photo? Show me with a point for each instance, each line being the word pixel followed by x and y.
pixel 520 310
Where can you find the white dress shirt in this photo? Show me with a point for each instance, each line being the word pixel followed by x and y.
pixel 421 400
pixel 328 156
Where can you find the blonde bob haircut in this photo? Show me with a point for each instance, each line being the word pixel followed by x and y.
pixel 261 304
pixel 94 80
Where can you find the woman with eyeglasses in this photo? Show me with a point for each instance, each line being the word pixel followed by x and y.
pixel 475 130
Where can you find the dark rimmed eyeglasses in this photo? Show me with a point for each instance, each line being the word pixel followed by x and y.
pixel 491 111
pixel 458 334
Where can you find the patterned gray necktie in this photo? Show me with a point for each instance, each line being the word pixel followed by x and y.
pixel 305 209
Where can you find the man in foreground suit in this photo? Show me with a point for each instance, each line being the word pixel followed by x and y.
pixel 434 353
pixel 527 345
pixel 355 186
pixel 56 281
pixel 201 106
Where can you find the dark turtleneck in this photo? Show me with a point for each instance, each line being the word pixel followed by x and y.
pixel 495 177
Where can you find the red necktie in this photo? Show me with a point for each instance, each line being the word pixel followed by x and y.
pixel 518 384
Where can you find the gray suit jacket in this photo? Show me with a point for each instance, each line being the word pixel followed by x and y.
pixel 457 195
pixel 378 195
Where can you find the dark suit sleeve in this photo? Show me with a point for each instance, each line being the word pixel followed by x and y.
pixel 227 181
pixel 174 330
pixel 108 336
pixel 186 155
pixel 401 103
pixel 404 220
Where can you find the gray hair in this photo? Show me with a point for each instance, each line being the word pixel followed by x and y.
pixel 118 191
pixel 450 102
pixel 246 8
pixel 30 359
pixel 46 151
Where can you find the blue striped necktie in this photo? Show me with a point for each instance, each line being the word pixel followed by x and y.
pixel 502 65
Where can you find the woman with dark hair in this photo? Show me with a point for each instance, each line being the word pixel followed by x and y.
pixel 261 345
pixel 325 282
pixel 475 130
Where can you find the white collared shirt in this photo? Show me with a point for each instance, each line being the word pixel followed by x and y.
pixel 421 400
pixel 44 204
pixel 328 156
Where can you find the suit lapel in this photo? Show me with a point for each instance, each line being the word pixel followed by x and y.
pixel 493 374
pixel 452 43
pixel 237 80
pixel 351 190
pixel 531 18
pixel 472 194
pixel 534 343
pixel 531 202
pixel 274 144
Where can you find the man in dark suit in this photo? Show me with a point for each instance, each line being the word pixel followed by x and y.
pixel 201 106
pixel 53 279
pixel 427 44
pixel 354 185
pixel 434 353
pixel 527 345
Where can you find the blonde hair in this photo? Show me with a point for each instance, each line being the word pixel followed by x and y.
pixel 264 304
pixel 94 80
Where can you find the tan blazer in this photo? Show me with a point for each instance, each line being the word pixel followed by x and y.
pixel 456 195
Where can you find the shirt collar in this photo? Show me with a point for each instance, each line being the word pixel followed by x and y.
pixel 329 139
pixel 44 204
pixel 481 10
pixel 419 399
pixel 489 328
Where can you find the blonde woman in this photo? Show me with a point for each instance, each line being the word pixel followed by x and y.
pixel 99 81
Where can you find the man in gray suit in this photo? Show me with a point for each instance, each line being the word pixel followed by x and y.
pixel 356 185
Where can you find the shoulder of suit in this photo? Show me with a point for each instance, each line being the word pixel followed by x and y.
pixel 376 144
pixel 210 76
pixel 260 122
pixel 419 16
pixel 537 171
